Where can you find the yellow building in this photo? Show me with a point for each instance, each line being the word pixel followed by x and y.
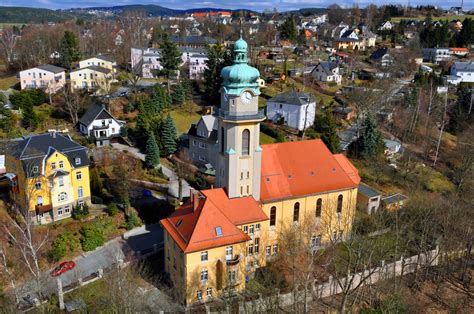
pixel 93 78
pixel 214 242
pixel 101 61
pixel 49 175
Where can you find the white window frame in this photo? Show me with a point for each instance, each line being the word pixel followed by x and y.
pixel 38 185
pixel 204 275
pixel 79 175
pixel 61 164
pixel 60 181
pixel 204 256
pixel 80 192
pixel 60 211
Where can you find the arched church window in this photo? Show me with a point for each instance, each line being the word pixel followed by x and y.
pixel 245 142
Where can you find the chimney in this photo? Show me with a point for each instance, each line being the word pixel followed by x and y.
pixel 194 195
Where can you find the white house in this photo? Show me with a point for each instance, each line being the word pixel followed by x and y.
pixel 463 70
pixel 436 55
pixel 99 125
pixel 326 71
pixel 296 109
pixel 48 77
pixel 385 26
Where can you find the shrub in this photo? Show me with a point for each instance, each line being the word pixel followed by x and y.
pixel 80 211
pixel 63 243
pixel 112 209
pixel 132 222
pixel 97 199
pixel 92 237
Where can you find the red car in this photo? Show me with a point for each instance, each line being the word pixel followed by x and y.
pixel 62 268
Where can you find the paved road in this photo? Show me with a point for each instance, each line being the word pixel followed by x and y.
pixel 173 188
pixel 110 254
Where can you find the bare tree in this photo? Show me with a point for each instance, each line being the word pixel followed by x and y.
pixel 9 274
pixel 184 169
pixel 73 103
pixel 8 40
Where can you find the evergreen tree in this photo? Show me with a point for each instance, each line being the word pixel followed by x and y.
pixel 288 29
pixel 30 119
pixel 161 98
pixel 465 37
pixel 212 73
pixel 69 50
pixel 168 136
pixel 325 124
pixel 181 92
pixel 370 143
pixel 460 118
pixel 170 57
pixel 152 157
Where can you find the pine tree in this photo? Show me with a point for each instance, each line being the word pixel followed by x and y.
pixel 152 157
pixel 370 142
pixel 69 50
pixel 288 29
pixel 30 119
pixel 326 126
pixel 212 73
pixel 170 57
pixel 168 136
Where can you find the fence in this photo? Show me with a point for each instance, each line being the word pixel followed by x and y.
pixel 334 286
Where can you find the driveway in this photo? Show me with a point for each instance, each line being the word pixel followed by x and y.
pixel 173 188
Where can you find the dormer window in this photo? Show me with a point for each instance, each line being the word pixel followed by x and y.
pixel 35 169
pixel 77 160
pixel 219 231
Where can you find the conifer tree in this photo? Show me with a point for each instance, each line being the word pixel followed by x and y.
pixel 168 136
pixel 152 157
pixel 370 142
pixel 326 126
pixel 170 56
pixel 69 50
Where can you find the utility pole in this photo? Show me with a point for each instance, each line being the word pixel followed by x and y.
pixel 443 121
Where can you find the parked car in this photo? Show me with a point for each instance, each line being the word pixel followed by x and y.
pixel 62 268
pixel 123 94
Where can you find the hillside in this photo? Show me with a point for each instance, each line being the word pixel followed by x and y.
pixel 32 15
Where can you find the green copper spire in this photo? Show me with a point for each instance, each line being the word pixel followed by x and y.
pixel 240 76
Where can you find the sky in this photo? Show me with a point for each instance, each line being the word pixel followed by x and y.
pixel 257 5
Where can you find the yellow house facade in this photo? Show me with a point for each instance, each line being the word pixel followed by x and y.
pixel 49 175
pixel 93 78
pixel 101 61
pixel 216 240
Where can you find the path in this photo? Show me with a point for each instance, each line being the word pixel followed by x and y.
pixel 173 188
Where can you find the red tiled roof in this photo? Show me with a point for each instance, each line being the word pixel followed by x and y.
pixel 301 168
pixel 459 49
pixel 195 230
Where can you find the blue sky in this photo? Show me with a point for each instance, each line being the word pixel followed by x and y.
pixel 257 5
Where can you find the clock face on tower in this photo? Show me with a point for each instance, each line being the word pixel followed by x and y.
pixel 246 97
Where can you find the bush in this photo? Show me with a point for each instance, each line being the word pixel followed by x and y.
pixel 61 245
pixel 97 199
pixel 80 211
pixel 92 237
pixel 132 222
pixel 112 209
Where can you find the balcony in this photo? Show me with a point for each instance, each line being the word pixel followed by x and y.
pixel 241 116
pixel 233 261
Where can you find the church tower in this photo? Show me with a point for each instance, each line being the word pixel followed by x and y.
pixel 239 159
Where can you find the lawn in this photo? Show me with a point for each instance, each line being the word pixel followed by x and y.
pixel 435 18
pixel 266 139
pixel 183 119
pixel 7 81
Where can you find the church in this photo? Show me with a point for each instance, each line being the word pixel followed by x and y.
pixel 219 237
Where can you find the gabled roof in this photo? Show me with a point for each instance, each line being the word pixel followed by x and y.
pixel 33 150
pixel 464 66
pixel 294 169
pixel 293 98
pixel 94 68
pixel 51 68
pixel 327 67
pixel 347 33
pixel 194 225
pixel 379 53
pixel 210 122
pixel 101 57
pixel 93 112
pixel 395 198
pixel 368 191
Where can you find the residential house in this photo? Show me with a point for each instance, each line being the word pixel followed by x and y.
pixel 297 110
pixel 95 79
pixel 459 52
pixel 101 61
pixel 220 236
pixel 393 202
pixel 368 199
pixel 49 175
pixel 381 57
pixel 464 71
pixel 436 55
pixel 193 41
pixel 385 26
pixel 392 147
pixel 343 113
pixel 48 77
pixel 100 125
pixel 327 72
pixel 203 139
pixel 368 38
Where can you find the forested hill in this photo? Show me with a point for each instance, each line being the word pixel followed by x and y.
pixel 32 15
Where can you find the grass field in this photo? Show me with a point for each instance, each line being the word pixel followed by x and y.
pixel 7 81
pixel 266 139
pixel 435 18
pixel 183 119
